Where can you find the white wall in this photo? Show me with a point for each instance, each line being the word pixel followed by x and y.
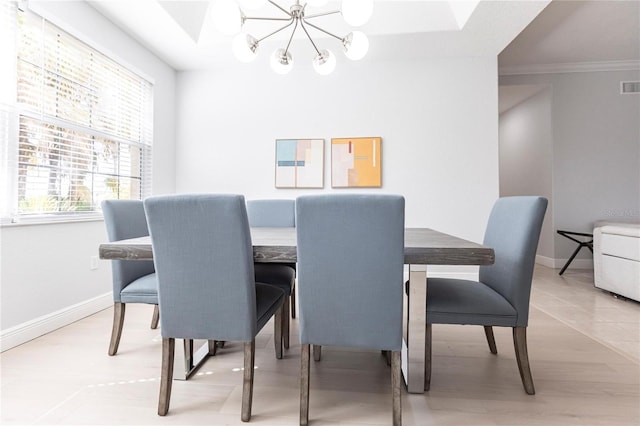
pixel 596 151
pixel 438 120
pixel 45 270
pixel 526 159
pixel 46 286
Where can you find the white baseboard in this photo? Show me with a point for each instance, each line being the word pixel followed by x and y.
pixel 37 327
pixel 545 261
pixel 559 263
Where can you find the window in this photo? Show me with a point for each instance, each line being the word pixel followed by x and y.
pixel 83 126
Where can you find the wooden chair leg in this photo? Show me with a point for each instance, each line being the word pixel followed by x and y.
pixel 396 387
pixel 387 356
pixel 213 347
pixel 522 356
pixel 277 332
pixel 247 382
pixel 304 384
pixel 317 352
pixel 488 331
pixel 427 357
pixel 293 302
pixel 116 329
pixel 285 322
pixel 155 318
pixel 166 376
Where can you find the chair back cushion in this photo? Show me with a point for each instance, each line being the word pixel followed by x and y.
pixel 204 264
pixel 350 267
pixel 513 232
pixel 272 213
pixel 125 219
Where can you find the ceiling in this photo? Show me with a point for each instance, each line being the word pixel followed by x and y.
pixel 570 36
pixel 526 35
pixel 522 32
pixel 577 32
pixel 181 33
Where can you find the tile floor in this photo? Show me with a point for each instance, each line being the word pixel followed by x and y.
pixel 584 348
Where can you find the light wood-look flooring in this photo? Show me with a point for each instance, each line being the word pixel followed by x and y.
pixel 584 349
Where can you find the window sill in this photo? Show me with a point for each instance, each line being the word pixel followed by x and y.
pixel 49 220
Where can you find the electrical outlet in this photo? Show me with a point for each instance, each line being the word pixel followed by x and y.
pixel 94 263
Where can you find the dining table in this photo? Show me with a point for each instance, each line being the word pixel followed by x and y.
pixel 423 247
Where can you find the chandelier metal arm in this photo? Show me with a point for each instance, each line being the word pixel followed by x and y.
pixel 258 18
pixel 302 22
pixel 286 49
pixel 321 14
pixel 278 30
pixel 279 7
pixel 323 30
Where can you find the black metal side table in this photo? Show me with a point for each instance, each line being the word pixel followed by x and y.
pixel 588 244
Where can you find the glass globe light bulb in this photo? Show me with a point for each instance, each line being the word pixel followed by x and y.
pixel 244 47
pixel 226 16
pixel 325 62
pixel 356 45
pixel 281 62
pixel 357 12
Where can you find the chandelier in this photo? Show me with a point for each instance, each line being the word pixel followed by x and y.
pixel 229 17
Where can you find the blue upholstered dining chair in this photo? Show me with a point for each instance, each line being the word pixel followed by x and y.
pixel 134 281
pixel 204 261
pixel 275 213
pixel 501 296
pixel 272 213
pixel 350 265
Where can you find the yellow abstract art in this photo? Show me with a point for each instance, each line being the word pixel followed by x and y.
pixel 356 162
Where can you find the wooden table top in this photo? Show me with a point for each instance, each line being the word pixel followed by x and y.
pixel 423 246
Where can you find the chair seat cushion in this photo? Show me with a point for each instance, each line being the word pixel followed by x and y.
pixel 455 301
pixel 268 299
pixel 142 290
pixel 280 275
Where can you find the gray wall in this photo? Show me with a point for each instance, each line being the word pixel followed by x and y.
pixel 526 158
pixel 596 150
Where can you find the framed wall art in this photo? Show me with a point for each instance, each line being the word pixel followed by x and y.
pixel 356 162
pixel 299 163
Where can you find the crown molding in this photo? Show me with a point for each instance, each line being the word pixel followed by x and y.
pixel 570 67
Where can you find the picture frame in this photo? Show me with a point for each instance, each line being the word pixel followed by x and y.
pixel 299 163
pixel 356 162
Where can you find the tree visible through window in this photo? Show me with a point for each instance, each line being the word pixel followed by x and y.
pixel 84 124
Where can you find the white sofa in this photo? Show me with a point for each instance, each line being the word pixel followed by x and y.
pixel 616 258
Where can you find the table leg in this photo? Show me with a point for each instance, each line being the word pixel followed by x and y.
pixel 566 265
pixel 187 361
pixel 587 244
pixel 414 328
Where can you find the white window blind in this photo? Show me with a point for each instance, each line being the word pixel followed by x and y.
pixel 84 129
pixel 8 22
